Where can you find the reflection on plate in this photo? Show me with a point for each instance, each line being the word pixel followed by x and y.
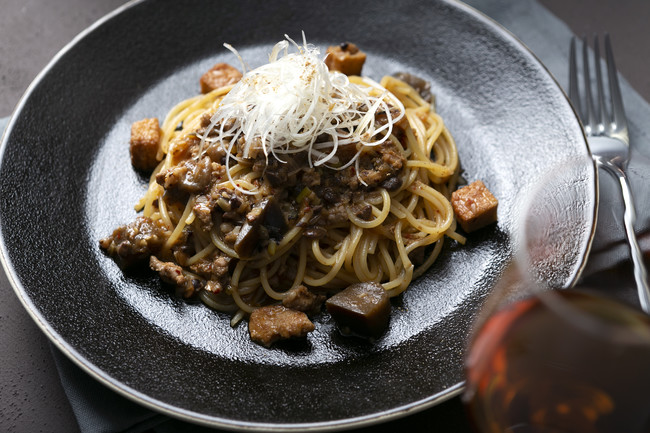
pixel 66 181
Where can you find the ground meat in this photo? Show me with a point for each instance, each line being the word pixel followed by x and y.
pixel 189 176
pixel 346 58
pixel 169 178
pixel 169 272
pixel 230 237
pixel 136 241
pixel 311 177
pixel 284 174
pixel 181 147
pixel 345 152
pixel 270 324
pixel 145 140
pixel 337 214
pixel 347 179
pixel 203 206
pixel 220 266
pixel 214 268
pixel 380 163
pixel 362 211
pixel 302 299
pixel 233 203
pixel 220 75
pixel 381 118
pixel 250 150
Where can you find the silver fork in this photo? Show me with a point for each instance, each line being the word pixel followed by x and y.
pixel 609 141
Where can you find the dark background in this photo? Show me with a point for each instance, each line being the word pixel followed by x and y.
pixel 33 31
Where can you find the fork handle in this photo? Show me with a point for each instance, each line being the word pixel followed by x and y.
pixel 629 218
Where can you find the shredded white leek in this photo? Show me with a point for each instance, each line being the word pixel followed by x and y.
pixel 286 105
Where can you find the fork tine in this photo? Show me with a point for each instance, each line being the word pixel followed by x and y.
pixel 618 113
pixel 590 118
pixel 574 92
pixel 601 113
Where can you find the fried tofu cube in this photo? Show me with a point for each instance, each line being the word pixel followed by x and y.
pixel 220 75
pixel 267 325
pixel 145 140
pixel 346 58
pixel 475 206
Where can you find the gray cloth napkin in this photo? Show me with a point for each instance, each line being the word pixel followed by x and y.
pixel 98 409
pixel 548 38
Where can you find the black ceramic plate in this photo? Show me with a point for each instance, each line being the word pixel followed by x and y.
pixel 66 181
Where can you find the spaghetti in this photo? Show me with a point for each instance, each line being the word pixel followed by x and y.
pixel 322 183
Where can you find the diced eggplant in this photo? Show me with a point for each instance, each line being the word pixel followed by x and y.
pixel 392 183
pixel 422 86
pixel 269 214
pixel 362 308
pixel 247 239
pixel 316 232
pixel 274 220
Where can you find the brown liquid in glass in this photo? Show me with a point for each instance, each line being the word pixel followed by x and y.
pixel 572 363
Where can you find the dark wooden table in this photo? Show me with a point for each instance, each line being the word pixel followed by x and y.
pixel 32 31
